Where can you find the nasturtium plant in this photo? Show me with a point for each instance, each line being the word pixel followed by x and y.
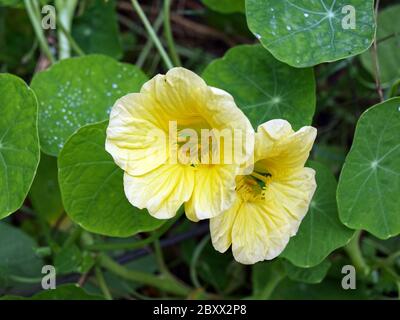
pixel 388 55
pixel 263 87
pixel 321 231
pixel 79 91
pixel 308 275
pixel 19 143
pixel 92 189
pixel 369 184
pixel 305 33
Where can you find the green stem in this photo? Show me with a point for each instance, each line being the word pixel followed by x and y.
pixel 195 259
pixel 168 33
pixel 271 286
pixel 34 15
pixel 152 34
pixel 137 244
pixel 102 284
pixel 65 13
pixel 74 235
pixel 71 40
pixel 394 90
pixel 354 252
pixel 162 282
pixel 149 44
pixel 160 258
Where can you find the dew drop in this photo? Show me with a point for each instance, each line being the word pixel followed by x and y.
pixel 289 28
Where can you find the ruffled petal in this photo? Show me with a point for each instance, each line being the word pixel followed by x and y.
pixel 279 149
pixel 161 191
pixel 213 193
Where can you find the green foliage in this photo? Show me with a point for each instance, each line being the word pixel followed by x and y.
pixel 307 275
pixel 321 232
pixel 78 91
pixel 96 29
pixel 305 33
pixel 226 6
pixel 92 189
pixel 369 184
pixel 19 145
pixel 263 87
pixel 388 35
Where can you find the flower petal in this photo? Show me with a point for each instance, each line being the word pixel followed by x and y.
pixel 162 191
pixel 134 138
pixel 213 193
pixel 280 149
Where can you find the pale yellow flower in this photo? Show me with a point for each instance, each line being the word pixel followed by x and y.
pixel 140 141
pixel 272 201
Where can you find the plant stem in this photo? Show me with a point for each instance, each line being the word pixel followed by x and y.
pixel 354 253
pixel 65 12
pixel 71 40
pixel 102 284
pixel 195 258
pixel 161 282
pixel 34 16
pixel 168 33
pixel 137 244
pixel 152 34
pixel 270 287
pixel 376 60
pixel 160 258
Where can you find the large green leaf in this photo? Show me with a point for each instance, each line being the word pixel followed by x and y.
pixel 226 6
pixel 369 185
pixel 62 292
pixel 307 275
pixel 17 252
pixel 45 193
pixel 388 35
pixel 78 91
pixel 19 145
pixel 321 231
pixel 305 33
pixel 92 187
pixel 263 87
pixel 96 30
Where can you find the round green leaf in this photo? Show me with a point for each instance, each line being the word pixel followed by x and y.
pixel 305 33
pixel 321 231
pixel 79 91
pixel 369 185
pixel 92 187
pixel 263 87
pixel 19 143
pixel 226 6
pixel 388 35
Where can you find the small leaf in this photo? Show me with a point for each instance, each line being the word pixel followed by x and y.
pixel 388 36
pixel 263 87
pixel 369 185
pixel 321 231
pixel 304 33
pixel 92 187
pixel 79 91
pixel 19 143
pixel 68 259
pixel 307 275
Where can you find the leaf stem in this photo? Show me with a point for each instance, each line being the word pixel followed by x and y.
pixel 65 12
pixel 195 258
pixel 72 42
pixel 34 15
pixel 271 286
pixel 168 34
pixel 354 252
pixel 375 58
pixel 102 283
pixel 152 34
pixel 161 282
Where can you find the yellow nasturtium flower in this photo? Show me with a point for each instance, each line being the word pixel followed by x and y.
pixel 147 137
pixel 272 201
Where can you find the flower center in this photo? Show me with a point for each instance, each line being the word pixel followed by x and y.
pixel 252 187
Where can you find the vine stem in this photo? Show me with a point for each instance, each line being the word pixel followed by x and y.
pixel 354 253
pixel 66 9
pixel 71 40
pixel 271 286
pixel 32 8
pixel 152 34
pixel 168 33
pixel 193 263
pixel 162 282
